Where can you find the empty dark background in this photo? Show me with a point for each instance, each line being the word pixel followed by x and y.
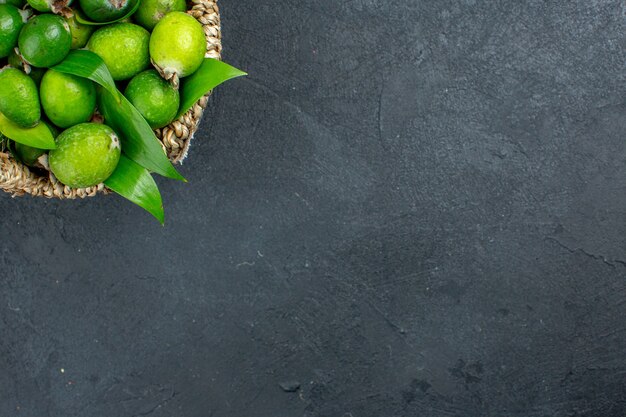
pixel 409 208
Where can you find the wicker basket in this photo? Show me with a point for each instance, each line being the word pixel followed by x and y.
pixel 18 179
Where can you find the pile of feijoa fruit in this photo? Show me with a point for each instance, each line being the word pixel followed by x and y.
pixel 145 44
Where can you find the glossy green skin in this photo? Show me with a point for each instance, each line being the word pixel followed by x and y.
pixel 150 12
pixel 106 10
pixel 154 97
pixel 19 99
pixel 80 33
pixel 86 155
pixel 17 3
pixel 11 23
pixel 177 44
pixel 123 47
pixel 45 40
pixel 67 100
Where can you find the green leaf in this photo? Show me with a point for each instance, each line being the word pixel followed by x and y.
pixel 87 64
pixel 211 74
pixel 138 140
pixel 135 183
pixel 83 20
pixel 37 137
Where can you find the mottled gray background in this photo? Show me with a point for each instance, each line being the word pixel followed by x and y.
pixel 410 208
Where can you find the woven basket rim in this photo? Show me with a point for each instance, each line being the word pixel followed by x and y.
pixel 18 179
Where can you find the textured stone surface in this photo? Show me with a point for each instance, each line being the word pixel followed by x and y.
pixel 410 207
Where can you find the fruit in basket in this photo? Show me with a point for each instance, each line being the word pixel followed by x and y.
pixel 11 23
pixel 80 33
pixel 106 10
pixel 86 155
pixel 45 40
pixel 178 45
pixel 156 99
pixel 123 47
pixel 150 12
pixel 67 100
pixel 19 99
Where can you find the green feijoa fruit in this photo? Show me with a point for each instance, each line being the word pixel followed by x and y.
pixel 86 155
pixel 178 45
pixel 47 6
pixel 12 21
pixel 123 47
pixel 154 97
pixel 106 10
pixel 17 3
pixel 19 99
pixel 150 12
pixel 45 40
pixel 66 99
pixel 80 33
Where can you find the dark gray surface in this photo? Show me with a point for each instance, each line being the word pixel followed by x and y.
pixel 410 208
